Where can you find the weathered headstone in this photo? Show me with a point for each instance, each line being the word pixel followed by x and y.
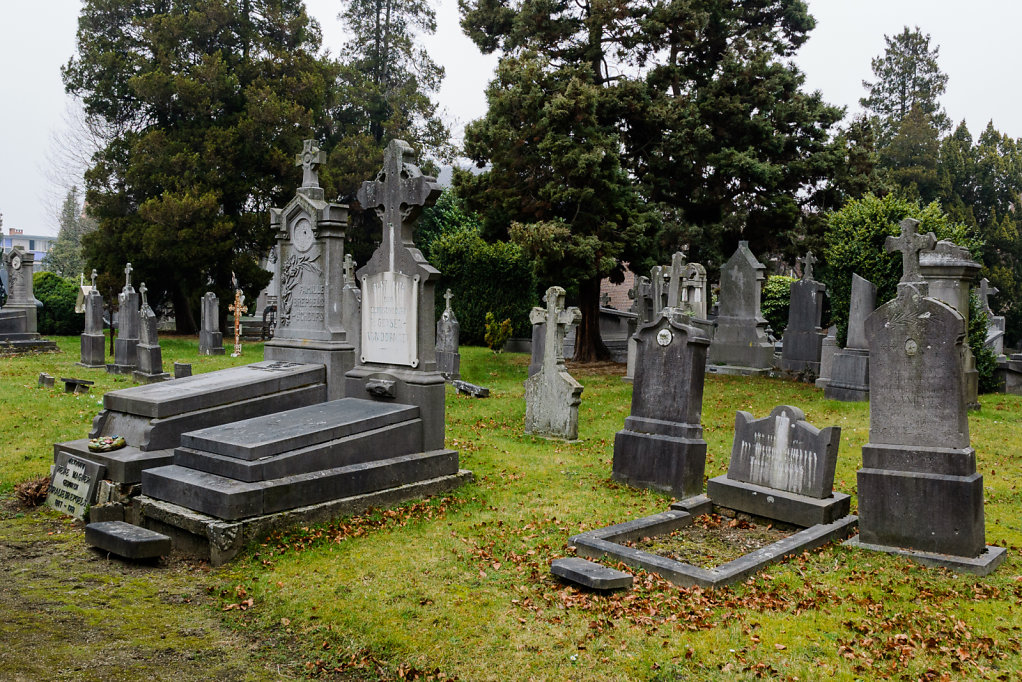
pixel 93 341
pixel 803 337
pixel 849 376
pixel 351 304
pixel 18 327
pixel 827 349
pixel 211 339
pixel 918 490
pixel 150 355
pixel 996 325
pixel 552 396
pixel 641 294
pixel 448 331
pixel 782 467
pixel 310 256
pixel 182 369
pixel 126 345
pixel 675 280
pixel 740 341
pixel 661 445
pixel 73 484
pixel 238 308
pixel 695 294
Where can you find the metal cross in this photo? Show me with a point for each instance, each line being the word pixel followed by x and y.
pixel 910 244
pixel 238 308
pixel 447 297
pixel 127 276
pixel 808 261
pixel 311 158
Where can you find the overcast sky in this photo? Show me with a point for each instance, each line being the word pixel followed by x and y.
pixel 979 50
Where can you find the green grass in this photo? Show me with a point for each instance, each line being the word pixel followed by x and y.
pixel 461 585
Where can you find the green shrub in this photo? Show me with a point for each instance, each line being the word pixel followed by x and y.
pixel 497 334
pixel 986 359
pixel 775 302
pixel 58 296
pixel 484 278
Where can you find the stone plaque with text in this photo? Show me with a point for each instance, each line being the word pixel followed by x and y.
pixel 389 318
pixel 73 484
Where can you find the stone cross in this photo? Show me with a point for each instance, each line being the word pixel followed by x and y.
pixel 677 279
pixel 81 279
pixel 605 299
pixel 94 276
pixel 808 261
pixel 349 269
pixel 310 160
pixel 910 244
pixel 238 308
pixel 398 194
pixel 447 298
pixel 557 320
pixel 985 292
pixel 127 276
pixel 141 291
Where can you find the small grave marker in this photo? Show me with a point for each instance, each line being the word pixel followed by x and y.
pixel 73 484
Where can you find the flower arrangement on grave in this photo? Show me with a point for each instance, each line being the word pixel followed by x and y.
pixel 106 443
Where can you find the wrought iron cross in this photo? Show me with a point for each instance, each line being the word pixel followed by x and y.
pixel 808 261
pixel 238 308
pixel 910 244
pixel 311 158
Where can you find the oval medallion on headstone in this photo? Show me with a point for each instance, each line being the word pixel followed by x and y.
pixel 302 236
pixel 911 347
pixel 664 337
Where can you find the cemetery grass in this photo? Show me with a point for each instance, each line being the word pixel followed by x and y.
pixel 459 586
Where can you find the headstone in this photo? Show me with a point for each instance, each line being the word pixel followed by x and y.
pixel 996 325
pixel 466 388
pixel 803 337
pixel 918 489
pixel 93 340
pixel 675 280
pixel 211 339
pixel 661 445
pixel 351 304
pixel 150 355
pixel 46 380
pixel 73 484
pixel 949 271
pixel 782 468
pixel 740 341
pixel 126 345
pixel 310 257
pixel 238 308
pixel 849 380
pixel 695 294
pixel 552 396
pixel 448 360
pixel 18 327
pixel 182 369
pixel 827 350
pixel 641 294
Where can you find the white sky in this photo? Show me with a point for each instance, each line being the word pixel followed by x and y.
pixel 979 50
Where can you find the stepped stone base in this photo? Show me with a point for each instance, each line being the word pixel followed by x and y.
pixel 770 503
pixel 984 564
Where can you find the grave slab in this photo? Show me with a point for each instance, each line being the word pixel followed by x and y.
pixel 126 540
pixel 590 574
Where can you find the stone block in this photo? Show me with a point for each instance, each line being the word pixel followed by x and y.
pixel 590 574
pixel 670 464
pixel 800 510
pixel 126 540
pixel 182 370
pixel 470 389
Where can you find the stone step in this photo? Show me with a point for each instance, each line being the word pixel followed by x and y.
pixel 230 499
pixel 590 574
pixel 126 540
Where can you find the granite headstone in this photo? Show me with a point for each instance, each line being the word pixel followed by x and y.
pixel 849 376
pixel 448 331
pixel 126 345
pixel 150 355
pixel 740 341
pixel 93 341
pixel 552 396
pixel 803 337
pixel 211 339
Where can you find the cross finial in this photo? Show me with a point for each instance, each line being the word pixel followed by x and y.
pixel 910 244
pixel 985 292
pixel 141 291
pixel 310 160
pixel 81 279
pixel 557 319
pixel 808 261
pixel 676 277
pixel 94 276
pixel 447 297
pixel 349 270
pixel 127 276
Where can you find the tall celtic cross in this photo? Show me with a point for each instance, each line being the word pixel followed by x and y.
pixel 808 261
pixel 910 244
pixel 238 308
pixel 310 160
pixel 557 319
pixel 127 277
pixel 398 194
pixel 985 292
pixel 349 270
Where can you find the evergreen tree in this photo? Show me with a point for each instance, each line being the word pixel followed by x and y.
pixel 65 256
pixel 911 157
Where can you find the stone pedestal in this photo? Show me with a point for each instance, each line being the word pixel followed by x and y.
pixel 126 345
pixel 849 379
pixel 93 341
pixel 740 339
pixel 827 349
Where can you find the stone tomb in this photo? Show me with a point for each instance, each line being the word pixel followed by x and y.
pixel 740 342
pixel 18 328
pixel 73 484
pixel 552 395
pixel 782 467
pixel 150 355
pixel 661 445
pixel 126 345
pixel 803 337
pixel 918 490
pixel 93 341
pixel 211 339
pixel 849 376
pixel 448 331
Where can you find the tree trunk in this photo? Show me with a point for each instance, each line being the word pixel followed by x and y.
pixel 589 346
pixel 184 317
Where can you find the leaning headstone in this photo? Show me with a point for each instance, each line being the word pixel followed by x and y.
pixel 126 346
pixel 849 376
pixel 150 355
pixel 73 484
pixel 661 445
pixel 552 396
pixel 466 388
pixel 740 342
pixel 18 326
pixel 448 331
pixel 211 339
pixel 995 323
pixel 93 341
pixel 918 490
pixel 782 468
pixel 803 337
pixel 827 350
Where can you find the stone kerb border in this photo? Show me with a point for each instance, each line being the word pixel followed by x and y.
pixel 595 544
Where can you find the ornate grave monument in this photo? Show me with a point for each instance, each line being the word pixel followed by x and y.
pixel 150 355
pixel 93 341
pixel 238 308
pixel 803 337
pixel 211 339
pixel 448 330
pixel 552 396
pixel 126 345
pixel 740 342
pixel 18 327
pixel 919 493
pixel 849 375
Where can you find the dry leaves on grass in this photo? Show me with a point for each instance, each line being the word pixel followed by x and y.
pixel 32 493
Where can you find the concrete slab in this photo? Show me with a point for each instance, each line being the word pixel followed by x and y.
pixel 590 574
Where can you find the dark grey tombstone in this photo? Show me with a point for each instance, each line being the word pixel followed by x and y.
pixel 661 445
pixel 849 380
pixel 93 341
pixel 740 339
pixel 310 246
pixel 803 337
pixel 827 349
pixel 918 488
pixel 126 540
pixel 552 396
pixel 590 574
pixel 182 369
pixel 211 339
pixel 150 355
pixel 782 467
pixel 448 331
pixel 126 345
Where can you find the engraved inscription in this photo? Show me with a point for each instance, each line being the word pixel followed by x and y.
pixel 71 488
pixel 389 320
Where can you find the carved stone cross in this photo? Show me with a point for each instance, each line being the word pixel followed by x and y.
pixel 398 194
pixel 127 277
pixel 94 276
pixel 985 292
pixel 677 279
pixel 310 160
pixel 447 298
pixel 557 320
pixel 141 291
pixel 238 308
pixel 349 270
pixel 808 261
pixel 910 244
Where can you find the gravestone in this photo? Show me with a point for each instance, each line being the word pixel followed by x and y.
pixel 740 342
pixel 695 292
pixel 552 396
pixel 237 309
pixel 641 294
pixel 661 445
pixel 73 485
pixel 211 339
pixel 310 254
pixel 849 377
pixel 93 341
pixel 995 323
pixel 803 337
pixel 918 490
pixel 782 468
pixel 675 280
pixel 351 304
pixel 182 369
pixel 18 326
pixel 126 345
pixel 448 330
pixel 827 349
pixel 949 271
pixel 150 355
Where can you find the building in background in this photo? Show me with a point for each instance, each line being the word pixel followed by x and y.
pixel 38 244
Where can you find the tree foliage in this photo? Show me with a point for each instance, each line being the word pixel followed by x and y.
pixel 58 295
pixel 65 256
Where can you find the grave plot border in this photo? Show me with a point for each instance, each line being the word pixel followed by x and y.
pixel 595 544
